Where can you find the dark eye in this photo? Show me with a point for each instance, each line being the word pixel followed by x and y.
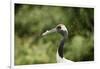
pixel 59 27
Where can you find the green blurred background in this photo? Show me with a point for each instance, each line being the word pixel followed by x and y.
pixel 32 20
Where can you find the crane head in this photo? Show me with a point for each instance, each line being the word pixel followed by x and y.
pixel 60 28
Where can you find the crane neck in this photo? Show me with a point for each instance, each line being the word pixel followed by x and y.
pixel 60 49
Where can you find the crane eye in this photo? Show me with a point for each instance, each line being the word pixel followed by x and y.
pixel 59 27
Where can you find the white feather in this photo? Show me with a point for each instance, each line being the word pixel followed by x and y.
pixel 62 60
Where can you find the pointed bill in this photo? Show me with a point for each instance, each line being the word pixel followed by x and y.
pixel 49 31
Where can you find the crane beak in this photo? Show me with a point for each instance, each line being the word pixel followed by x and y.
pixel 49 31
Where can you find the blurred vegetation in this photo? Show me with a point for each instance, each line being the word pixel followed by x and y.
pixel 32 20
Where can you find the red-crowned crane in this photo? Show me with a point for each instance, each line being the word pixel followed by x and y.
pixel 61 28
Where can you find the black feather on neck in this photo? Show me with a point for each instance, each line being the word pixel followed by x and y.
pixel 60 49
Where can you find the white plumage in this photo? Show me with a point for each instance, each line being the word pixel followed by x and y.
pixel 62 60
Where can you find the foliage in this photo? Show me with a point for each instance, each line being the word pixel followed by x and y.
pixel 32 20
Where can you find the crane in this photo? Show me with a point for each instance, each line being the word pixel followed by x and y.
pixel 60 28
